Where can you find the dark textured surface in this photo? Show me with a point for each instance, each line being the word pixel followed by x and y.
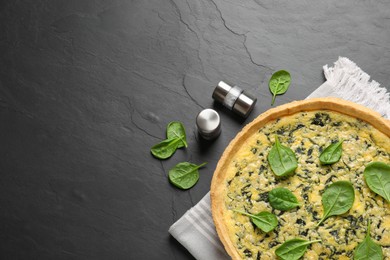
pixel 87 87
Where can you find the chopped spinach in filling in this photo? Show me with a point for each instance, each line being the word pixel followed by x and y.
pixel 307 134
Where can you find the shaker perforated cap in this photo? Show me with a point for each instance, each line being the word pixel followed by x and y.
pixel 234 98
pixel 208 123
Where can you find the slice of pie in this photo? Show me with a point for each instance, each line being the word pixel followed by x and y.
pixel 243 179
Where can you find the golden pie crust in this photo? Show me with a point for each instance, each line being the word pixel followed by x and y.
pixel 218 189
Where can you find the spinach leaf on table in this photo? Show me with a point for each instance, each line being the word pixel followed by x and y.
pixel 282 199
pixel 337 199
pixel 281 159
pixel 175 130
pixel 279 83
pixel 184 175
pixel 264 220
pixel 293 249
pixel 377 176
pixel 176 138
pixel 332 153
pixel 165 149
pixel 368 249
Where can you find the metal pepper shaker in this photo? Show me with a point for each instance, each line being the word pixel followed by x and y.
pixel 234 98
pixel 208 124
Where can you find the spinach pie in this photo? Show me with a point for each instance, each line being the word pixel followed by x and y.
pixel 245 176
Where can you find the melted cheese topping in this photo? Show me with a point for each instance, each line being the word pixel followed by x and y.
pixel 250 179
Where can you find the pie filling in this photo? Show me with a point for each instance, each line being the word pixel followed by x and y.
pixel 249 179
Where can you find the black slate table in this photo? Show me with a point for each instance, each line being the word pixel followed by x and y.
pixel 87 87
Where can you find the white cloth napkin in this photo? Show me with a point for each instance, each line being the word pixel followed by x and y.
pixel 195 230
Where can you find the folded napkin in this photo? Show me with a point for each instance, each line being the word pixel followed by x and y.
pixel 196 231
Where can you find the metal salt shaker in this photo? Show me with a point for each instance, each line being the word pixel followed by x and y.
pixel 234 98
pixel 208 123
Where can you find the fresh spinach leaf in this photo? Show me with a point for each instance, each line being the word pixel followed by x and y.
pixel 166 148
pixel 377 176
pixel 282 199
pixel 176 138
pixel 264 220
pixel 281 159
pixel 337 199
pixel 332 153
pixel 175 130
pixel 293 249
pixel 368 249
pixel 279 83
pixel 184 175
